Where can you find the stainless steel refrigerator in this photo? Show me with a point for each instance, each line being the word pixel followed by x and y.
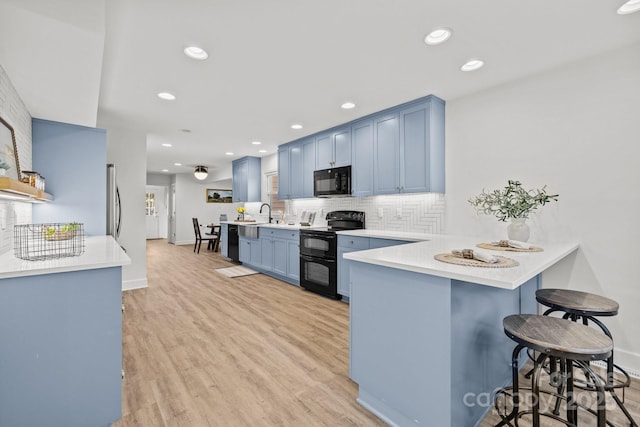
pixel 114 208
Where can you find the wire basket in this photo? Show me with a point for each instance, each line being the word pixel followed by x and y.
pixel 35 242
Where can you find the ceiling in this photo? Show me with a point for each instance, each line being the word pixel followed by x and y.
pixel 275 63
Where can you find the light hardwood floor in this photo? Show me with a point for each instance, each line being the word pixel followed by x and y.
pixel 200 349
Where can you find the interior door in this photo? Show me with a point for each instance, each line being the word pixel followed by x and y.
pixel 156 212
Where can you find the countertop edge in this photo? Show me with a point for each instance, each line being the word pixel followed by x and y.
pixel 100 252
pixel 374 257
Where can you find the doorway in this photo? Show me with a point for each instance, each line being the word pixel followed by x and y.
pixel 156 212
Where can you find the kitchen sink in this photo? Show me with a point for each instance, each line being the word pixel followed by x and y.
pixel 250 231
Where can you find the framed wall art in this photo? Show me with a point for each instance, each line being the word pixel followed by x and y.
pixel 219 196
pixel 9 164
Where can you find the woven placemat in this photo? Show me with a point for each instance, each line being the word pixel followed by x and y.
pixel 503 262
pixel 507 248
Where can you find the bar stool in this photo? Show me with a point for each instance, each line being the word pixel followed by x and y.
pixel 577 305
pixel 570 342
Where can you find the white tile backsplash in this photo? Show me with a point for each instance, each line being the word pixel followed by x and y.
pixel 13 110
pixel 421 213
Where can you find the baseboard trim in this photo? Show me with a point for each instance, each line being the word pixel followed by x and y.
pixel 128 285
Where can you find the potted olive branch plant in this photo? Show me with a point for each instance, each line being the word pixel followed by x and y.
pixel 514 203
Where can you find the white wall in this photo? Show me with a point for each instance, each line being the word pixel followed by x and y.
pixel 191 203
pixel 127 150
pixel 13 110
pixel 268 165
pixel 162 180
pixel 577 130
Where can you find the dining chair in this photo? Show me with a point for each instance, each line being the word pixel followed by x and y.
pixel 215 232
pixel 210 238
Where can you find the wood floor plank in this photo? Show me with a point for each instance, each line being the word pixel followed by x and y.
pixel 202 349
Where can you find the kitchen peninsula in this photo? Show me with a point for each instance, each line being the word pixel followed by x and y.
pixel 427 343
pixel 61 330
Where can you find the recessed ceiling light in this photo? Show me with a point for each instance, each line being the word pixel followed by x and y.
pixel 177 164
pixel 296 126
pixel 629 7
pixel 262 151
pixel 437 36
pixel 167 145
pixel 348 105
pixel 166 96
pixel 229 153
pixel 165 170
pixel 256 142
pixel 472 65
pixel 196 52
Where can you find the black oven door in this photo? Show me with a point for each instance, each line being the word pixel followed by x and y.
pixel 319 275
pixel 322 245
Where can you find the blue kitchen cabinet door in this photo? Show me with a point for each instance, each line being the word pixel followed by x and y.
pixel 414 149
pixel 255 257
pixel 333 149
pixel 266 249
pixel 279 247
pixel 240 173
pixel 324 151
pixel 348 244
pixel 293 260
pixel 308 166
pixel 285 167
pixel 224 238
pixel 246 175
pixel 341 145
pixel 386 155
pixel 295 168
pixel 244 250
pixel 362 158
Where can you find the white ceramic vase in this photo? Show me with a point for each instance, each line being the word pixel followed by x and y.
pixel 518 230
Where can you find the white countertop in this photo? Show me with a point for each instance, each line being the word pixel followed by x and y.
pixel 391 235
pixel 100 252
pixel 418 257
pixel 280 226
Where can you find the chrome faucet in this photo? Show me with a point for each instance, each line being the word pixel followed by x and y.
pixel 269 206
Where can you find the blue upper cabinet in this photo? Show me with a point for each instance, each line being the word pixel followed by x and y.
pixel 386 154
pixel 333 148
pixel 247 174
pixel 362 158
pixel 284 172
pixel 398 150
pixel 409 149
pixel 296 163
pixel 422 147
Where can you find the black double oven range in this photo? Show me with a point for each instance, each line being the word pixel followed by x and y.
pixel 319 252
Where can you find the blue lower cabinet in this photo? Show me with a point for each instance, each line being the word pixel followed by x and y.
pixel 280 256
pixel 293 260
pixel 266 248
pixel 276 253
pixel 249 251
pixel 61 358
pixel 348 244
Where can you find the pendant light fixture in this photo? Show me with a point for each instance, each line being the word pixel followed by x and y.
pixel 201 172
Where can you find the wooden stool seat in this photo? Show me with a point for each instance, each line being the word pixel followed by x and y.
pixel 558 337
pixel 576 302
pixel 570 342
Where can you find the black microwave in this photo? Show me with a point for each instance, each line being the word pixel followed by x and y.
pixel 332 182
